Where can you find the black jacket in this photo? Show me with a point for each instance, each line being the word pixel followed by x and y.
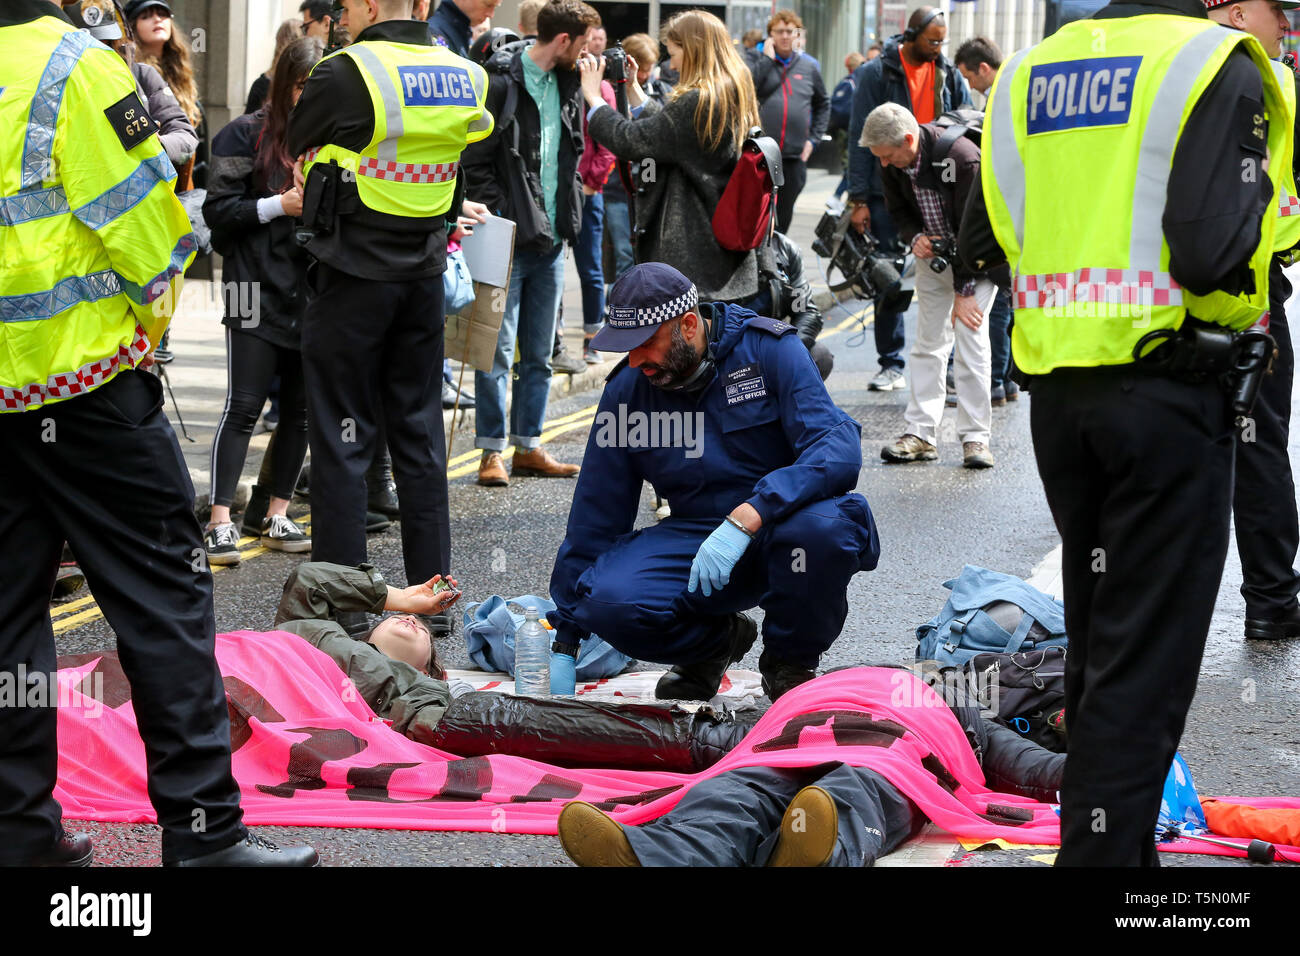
pixel 882 80
pixel 900 197
pixel 793 106
pixel 1211 218
pixel 486 163
pixel 677 194
pixel 452 26
pixel 335 107
pixel 790 291
pixel 257 256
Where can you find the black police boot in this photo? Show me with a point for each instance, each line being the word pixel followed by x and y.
pixel 1281 628
pixel 259 499
pixel 779 676
pixel 71 849
pixel 382 489
pixel 253 850
pixel 700 681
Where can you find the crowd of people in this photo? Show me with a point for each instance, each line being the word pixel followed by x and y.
pixel 352 179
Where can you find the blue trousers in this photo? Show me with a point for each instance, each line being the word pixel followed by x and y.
pixel 888 326
pixel 1000 337
pixel 619 223
pixel 586 254
pixel 536 282
pixel 734 819
pixel 796 570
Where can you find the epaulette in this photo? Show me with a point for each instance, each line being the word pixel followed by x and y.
pixel 771 326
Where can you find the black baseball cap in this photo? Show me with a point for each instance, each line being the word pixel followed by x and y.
pixel 644 298
pixel 136 7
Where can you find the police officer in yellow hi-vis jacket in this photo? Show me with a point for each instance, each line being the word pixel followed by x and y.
pixel 93 244
pixel 1130 166
pixel 380 127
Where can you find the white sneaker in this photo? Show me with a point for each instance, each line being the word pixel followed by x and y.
pixel 279 533
pixel 887 380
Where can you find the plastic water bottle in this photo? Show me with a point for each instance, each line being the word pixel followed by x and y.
pixel 532 657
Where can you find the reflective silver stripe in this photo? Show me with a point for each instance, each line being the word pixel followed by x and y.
pixel 1008 164
pixel 1146 237
pixel 32 204
pixel 33 306
pixel 484 121
pixel 387 149
pixel 106 207
pixel 43 119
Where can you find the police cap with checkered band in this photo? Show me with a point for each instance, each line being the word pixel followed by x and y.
pixel 644 298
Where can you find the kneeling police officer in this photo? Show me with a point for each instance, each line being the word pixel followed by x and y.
pixel 724 413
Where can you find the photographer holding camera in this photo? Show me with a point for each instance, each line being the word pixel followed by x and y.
pixel 926 194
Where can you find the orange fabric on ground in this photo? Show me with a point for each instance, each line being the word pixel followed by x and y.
pixel 920 87
pixel 1240 820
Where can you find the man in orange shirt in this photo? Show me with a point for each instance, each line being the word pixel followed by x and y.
pixel 913 73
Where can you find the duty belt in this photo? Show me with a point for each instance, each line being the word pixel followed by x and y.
pixel 1203 351
pixel 400 172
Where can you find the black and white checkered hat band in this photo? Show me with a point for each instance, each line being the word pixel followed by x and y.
pixel 627 317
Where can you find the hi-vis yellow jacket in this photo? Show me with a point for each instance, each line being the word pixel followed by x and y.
pixel 93 242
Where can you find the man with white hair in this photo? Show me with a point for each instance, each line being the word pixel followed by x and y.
pixel 927 178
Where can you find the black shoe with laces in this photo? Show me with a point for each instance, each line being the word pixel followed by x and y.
pixel 780 676
pixel 71 849
pixel 700 681
pixel 222 544
pixel 254 850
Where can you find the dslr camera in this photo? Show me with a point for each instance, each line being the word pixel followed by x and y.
pixel 870 271
pixel 944 251
pixel 616 63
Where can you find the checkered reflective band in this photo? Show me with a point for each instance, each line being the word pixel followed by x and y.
pixel 626 317
pixel 1098 286
pixel 1287 205
pixel 400 172
pixel 77 381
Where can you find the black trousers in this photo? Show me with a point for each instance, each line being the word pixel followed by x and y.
pixel 796 174
pixel 1138 474
pixel 104 472
pixel 372 355
pixel 734 819
pixel 252 365
pixel 1263 499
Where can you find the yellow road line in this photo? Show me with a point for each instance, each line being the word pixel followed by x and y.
pixel 588 413
pixel 64 620
pixel 547 435
pixel 867 316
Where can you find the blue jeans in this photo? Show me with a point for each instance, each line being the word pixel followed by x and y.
pixel 586 254
pixel 1000 337
pixel 536 282
pixel 618 220
pixel 888 326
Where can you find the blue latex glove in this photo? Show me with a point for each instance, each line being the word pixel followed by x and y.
pixel 711 569
pixel 564 680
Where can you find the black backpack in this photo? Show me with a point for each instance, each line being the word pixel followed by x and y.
pixel 956 124
pixel 1026 691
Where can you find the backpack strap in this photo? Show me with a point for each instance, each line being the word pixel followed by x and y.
pixel 943 145
pixel 771 156
pixel 507 117
pixel 1018 638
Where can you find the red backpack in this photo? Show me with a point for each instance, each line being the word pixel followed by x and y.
pixel 743 217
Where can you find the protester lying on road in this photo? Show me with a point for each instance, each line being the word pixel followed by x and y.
pixel 396 670
pixel 829 814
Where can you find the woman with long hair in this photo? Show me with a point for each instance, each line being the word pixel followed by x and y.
pixel 288 31
pixel 687 148
pixel 251 205
pixel 161 45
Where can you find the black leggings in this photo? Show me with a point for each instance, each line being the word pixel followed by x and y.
pixel 252 363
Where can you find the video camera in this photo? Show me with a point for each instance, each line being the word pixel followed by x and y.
pixel 616 63
pixel 870 272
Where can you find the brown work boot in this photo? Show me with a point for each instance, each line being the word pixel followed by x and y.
pixel 809 830
pixel 492 470
pixel 538 463
pixel 590 838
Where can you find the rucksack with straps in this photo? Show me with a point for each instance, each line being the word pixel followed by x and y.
pixel 530 222
pixel 1025 690
pixel 955 124
pixel 990 612
pixel 742 219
